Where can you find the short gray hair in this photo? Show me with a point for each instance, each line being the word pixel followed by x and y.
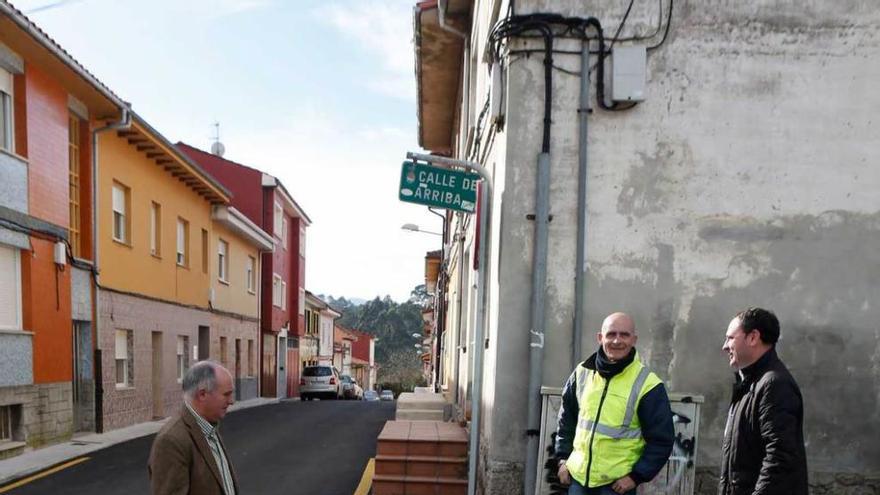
pixel 200 376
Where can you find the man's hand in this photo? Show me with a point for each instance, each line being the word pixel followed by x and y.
pixel 623 485
pixel 564 476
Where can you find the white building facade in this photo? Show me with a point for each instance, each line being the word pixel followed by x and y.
pixel 748 176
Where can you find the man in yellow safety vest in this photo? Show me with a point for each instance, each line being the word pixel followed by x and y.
pixel 615 424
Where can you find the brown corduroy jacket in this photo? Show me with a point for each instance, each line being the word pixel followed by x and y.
pixel 181 462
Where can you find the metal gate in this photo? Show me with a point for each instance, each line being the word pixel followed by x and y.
pixel 676 478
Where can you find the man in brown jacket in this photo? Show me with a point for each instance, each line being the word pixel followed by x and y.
pixel 188 456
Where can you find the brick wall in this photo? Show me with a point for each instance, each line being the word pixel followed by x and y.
pixel 47 148
pixel 130 405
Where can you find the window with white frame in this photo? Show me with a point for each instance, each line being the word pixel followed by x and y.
pixel 182 242
pixel 123 353
pixel 223 260
pixel 120 212
pixel 277 298
pixel 155 229
pixel 284 233
pixel 279 216
pixel 10 288
pixel 182 356
pixel 302 242
pixel 251 274
pixel 284 295
pixel 6 122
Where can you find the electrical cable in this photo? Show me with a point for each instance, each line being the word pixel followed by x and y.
pixel 665 31
pixel 622 23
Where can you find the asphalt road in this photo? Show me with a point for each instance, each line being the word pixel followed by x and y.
pixel 309 448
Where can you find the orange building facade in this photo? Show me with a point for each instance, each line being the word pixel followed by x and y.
pixel 49 108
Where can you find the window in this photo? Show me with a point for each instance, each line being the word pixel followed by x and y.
pixel 182 356
pixel 6 122
pixel 6 429
pixel 250 274
pixel 302 241
pixel 73 200
pixel 279 215
pixel 123 352
pixel 10 288
pixel 156 229
pixel 223 260
pixel 277 298
pixel 182 242
pixel 223 352
pixel 120 212
pixel 302 301
pixel 250 365
pixel 284 295
pixel 204 251
pixel 284 233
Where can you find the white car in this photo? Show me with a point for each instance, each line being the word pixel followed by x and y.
pixel 320 382
pixel 351 389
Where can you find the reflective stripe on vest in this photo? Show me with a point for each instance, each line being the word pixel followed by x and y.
pixel 614 439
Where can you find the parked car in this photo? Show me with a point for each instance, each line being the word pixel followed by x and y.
pixel 320 382
pixel 371 395
pixel 386 395
pixel 351 389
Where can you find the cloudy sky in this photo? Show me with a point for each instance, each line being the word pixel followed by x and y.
pixel 319 93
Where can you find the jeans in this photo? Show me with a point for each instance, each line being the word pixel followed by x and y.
pixel 577 489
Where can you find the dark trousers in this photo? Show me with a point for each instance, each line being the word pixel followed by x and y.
pixel 577 489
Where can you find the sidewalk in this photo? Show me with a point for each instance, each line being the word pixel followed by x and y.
pixel 37 460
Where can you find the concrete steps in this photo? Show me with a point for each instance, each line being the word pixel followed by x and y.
pixel 421 406
pixel 421 457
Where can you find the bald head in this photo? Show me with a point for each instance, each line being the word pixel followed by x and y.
pixel 618 336
pixel 620 321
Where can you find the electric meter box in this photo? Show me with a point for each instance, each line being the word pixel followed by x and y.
pixel 629 65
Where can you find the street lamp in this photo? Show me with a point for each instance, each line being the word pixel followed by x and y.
pixel 411 227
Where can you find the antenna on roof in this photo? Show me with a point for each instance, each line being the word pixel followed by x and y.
pixel 217 147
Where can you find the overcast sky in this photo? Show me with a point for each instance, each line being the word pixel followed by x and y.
pixel 319 93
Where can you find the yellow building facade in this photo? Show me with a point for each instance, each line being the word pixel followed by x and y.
pixel 179 276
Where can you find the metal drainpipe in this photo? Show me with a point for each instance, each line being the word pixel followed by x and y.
pixel 539 274
pixel 439 306
pixel 124 123
pixel 581 262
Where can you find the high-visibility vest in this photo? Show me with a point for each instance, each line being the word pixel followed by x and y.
pixel 608 441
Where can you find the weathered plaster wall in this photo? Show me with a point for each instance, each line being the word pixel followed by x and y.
pixel 748 177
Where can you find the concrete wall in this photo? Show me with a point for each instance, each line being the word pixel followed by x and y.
pixel 81 294
pixel 16 358
pixel 748 177
pixel 44 414
pixel 13 182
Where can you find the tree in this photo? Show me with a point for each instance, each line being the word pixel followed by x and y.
pixel 393 324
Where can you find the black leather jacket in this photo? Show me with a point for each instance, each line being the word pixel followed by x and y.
pixel 763 448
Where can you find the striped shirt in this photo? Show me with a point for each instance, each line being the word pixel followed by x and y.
pixel 210 432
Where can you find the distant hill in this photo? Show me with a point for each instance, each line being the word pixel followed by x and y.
pixel 393 324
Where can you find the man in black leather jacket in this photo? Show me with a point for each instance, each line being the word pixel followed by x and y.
pixel 763 448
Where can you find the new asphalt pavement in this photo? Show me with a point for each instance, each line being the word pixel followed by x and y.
pixel 309 448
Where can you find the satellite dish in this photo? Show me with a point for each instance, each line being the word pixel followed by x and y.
pixel 218 149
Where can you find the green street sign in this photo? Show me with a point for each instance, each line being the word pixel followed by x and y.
pixel 440 187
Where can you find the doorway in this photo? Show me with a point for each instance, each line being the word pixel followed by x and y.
pixel 83 377
pixel 267 380
pixel 282 367
pixel 204 342
pixel 156 379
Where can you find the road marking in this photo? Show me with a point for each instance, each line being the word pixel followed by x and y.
pixel 42 474
pixel 366 480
